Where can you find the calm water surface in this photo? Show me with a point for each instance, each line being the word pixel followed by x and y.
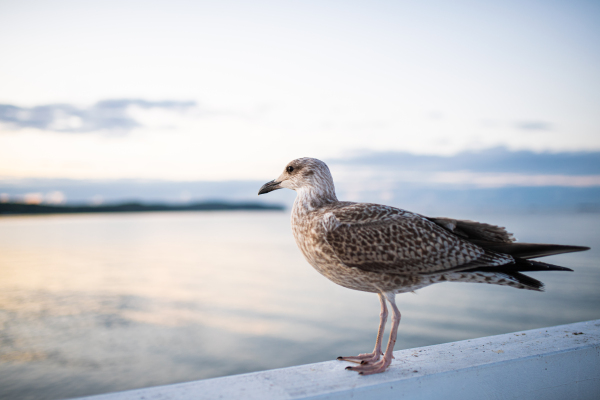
pixel 98 303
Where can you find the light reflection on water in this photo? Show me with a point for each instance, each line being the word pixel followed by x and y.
pixel 98 303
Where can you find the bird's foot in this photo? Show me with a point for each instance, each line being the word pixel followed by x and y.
pixel 367 358
pixel 374 368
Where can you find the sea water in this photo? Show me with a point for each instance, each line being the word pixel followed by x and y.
pixel 98 303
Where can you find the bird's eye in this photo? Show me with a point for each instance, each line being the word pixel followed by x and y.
pixel 290 169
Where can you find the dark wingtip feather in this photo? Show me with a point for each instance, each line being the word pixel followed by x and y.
pixel 524 265
pixel 529 250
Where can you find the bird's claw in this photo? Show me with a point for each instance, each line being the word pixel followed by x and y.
pixel 371 368
pixel 362 359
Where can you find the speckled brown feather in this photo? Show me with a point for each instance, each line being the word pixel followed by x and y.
pixel 386 239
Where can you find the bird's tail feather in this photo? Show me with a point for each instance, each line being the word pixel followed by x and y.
pixel 522 265
pixel 526 280
pixel 514 270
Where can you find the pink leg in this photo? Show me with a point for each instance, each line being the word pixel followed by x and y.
pixel 380 366
pixel 376 354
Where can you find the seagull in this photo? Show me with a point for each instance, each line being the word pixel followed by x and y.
pixel 386 250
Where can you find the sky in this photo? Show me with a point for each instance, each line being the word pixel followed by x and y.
pixel 232 90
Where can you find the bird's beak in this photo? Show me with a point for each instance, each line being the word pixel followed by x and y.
pixel 269 187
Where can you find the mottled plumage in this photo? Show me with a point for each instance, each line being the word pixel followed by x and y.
pixel 386 250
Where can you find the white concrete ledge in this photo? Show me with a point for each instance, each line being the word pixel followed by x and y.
pixel 561 362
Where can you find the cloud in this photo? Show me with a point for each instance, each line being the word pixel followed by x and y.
pixel 106 115
pixel 534 126
pixel 495 160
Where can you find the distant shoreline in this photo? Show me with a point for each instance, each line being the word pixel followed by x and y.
pixel 32 209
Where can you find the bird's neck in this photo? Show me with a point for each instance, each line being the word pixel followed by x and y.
pixel 310 198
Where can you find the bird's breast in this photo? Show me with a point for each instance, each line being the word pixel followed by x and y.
pixel 310 233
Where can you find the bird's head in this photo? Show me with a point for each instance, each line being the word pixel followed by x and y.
pixel 303 174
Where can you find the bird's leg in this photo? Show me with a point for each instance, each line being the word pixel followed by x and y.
pixel 380 366
pixel 376 354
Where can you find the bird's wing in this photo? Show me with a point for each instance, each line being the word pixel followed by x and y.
pixel 386 239
pixel 472 230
